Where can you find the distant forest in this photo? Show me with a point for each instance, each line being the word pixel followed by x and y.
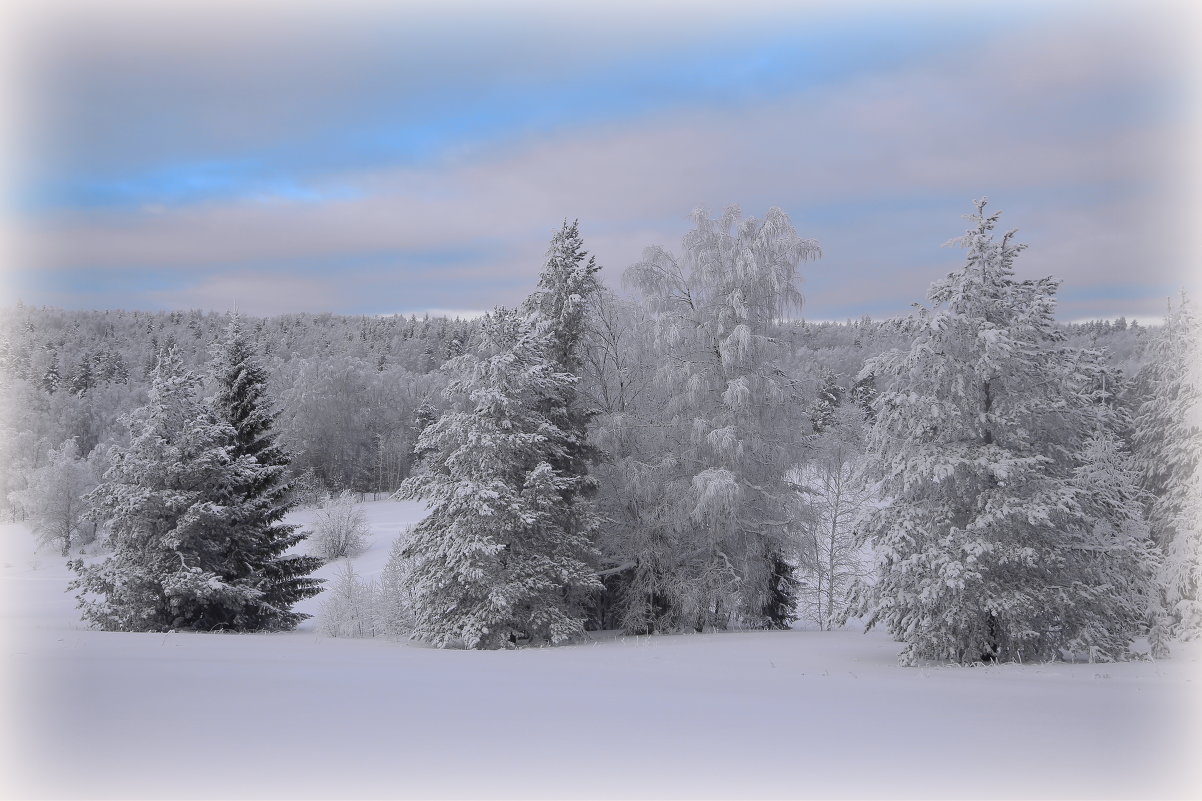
pixel 352 391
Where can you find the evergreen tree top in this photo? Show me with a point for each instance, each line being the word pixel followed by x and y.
pixel 568 280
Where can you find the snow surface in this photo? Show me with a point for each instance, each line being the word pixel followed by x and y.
pixel 743 715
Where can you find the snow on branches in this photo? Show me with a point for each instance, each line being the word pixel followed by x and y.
pixel 492 565
pixel 992 545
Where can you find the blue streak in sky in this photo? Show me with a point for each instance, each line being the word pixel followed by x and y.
pixel 407 263
pixel 385 127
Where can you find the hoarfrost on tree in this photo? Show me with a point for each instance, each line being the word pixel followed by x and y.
pixel 988 547
pixel 492 565
pixel 1168 443
pixel 712 544
pixel 168 500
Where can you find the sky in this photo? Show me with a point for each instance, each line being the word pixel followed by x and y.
pixel 377 158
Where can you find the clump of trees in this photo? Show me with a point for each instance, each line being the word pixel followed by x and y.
pixel 54 499
pixel 348 391
pixel 193 508
pixel 354 606
pixel 984 482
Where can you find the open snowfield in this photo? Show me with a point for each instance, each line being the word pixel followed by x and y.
pixel 739 715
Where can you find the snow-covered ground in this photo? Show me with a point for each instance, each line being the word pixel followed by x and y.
pixel 739 715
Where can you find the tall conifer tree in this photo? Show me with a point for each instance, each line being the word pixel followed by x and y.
pixel 256 554
pixel 991 545
pixel 493 565
pixel 560 308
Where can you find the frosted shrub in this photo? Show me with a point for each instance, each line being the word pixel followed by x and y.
pixel 340 529
pixel 355 608
pixel 349 607
pixel 308 489
pixel 55 501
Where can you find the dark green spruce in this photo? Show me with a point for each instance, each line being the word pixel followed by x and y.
pixel 257 553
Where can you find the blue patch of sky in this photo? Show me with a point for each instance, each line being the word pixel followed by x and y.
pixel 107 281
pixel 184 182
pixel 382 126
pixel 364 265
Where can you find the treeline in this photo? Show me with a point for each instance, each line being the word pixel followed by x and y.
pixel 352 392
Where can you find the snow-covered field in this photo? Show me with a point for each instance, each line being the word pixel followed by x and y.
pixel 739 715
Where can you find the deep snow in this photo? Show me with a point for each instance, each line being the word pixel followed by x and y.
pixel 735 715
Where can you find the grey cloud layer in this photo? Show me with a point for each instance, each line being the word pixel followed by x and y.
pixel 1029 119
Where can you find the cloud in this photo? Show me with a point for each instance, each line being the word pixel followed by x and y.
pixel 260 295
pixel 128 86
pixel 1074 131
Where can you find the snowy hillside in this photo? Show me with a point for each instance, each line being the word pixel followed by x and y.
pixel 734 715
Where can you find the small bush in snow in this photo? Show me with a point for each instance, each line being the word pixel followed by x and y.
pixel 362 609
pixel 308 489
pixel 349 607
pixel 340 529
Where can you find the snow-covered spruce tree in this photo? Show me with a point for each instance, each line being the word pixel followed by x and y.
pixel 731 418
pixel 830 398
pixel 256 554
pixel 170 500
pixel 988 547
pixel 565 289
pixel 492 566
pixel 1168 445
pixel 560 307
